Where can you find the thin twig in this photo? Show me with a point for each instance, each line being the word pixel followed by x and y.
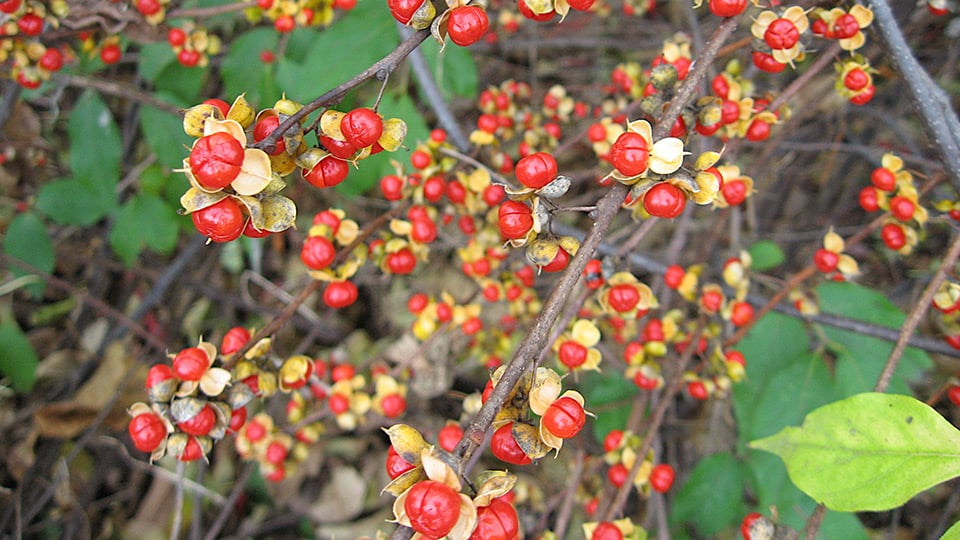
pixel 113 88
pixel 231 503
pixel 569 496
pixel 177 503
pixel 917 314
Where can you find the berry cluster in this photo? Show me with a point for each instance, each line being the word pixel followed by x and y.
pixel 893 189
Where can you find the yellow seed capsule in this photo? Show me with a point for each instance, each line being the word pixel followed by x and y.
pixel 195 117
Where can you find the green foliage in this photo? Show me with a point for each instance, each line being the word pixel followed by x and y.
pixel 953 533
pixel 886 448
pixel 27 239
pixel 19 360
pixel 766 254
pixel 144 221
pixel 242 72
pixel 860 358
pixel 95 148
pixel 713 495
pixel 164 133
pixel 454 69
pixel 610 398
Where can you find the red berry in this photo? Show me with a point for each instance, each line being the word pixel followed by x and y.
pixel 393 405
pixel 221 222
pixel 505 447
pixel 417 303
pixel 401 262
pixel 893 236
pixel 766 62
pixel 734 192
pixel 318 252
pixel 623 297
pixel 255 431
pixel 190 364
pixel 902 208
pixel 864 96
pixel 456 192
pixel 612 440
pixel 629 154
pixel 661 478
pixel 449 436
pixel 826 261
pixel 328 172
pixel 711 300
pixel 266 125
pixel 284 24
pixel 188 57
pixel 617 474
pixel 52 60
pixel 276 453
pixel 341 149
pixel 720 86
pixel 147 431
pixel 467 24
pixel 953 394
pixel 361 127
pixel 758 130
pixel 148 7
pixel 781 34
pixel 396 465
pixel 572 354
pixel 674 276
pixel 215 160
pixel 953 341
pixel 564 417
pixel 403 10
pixel 727 8
pixel 10 6
pixel 267 56
pixel 645 383
pixel 234 340
pixel 192 451
pixel 201 424
pixel 110 54
pixel 846 26
pixel 536 170
pixel 496 521
pixel 515 219
pixel 220 104
pixel 392 187
pixel 424 230
pixel 493 194
pixel 869 200
pixel 697 390
pixel 420 159
pixel 559 262
pixel 664 200
pixel 883 179
pixel 747 522
pixel 30 24
pixel 237 419
pixel 159 373
pixel 433 508
pixel 176 37
pixel 339 294
pixel 741 313
pixel 856 79
pixel 338 403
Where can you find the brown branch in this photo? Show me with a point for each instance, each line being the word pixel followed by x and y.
pixel 381 69
pixel 917 313
pixel 201 13
pixel 113 88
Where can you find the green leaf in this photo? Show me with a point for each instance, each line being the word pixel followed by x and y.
pixel 953 533
pixel 75 202
pixel 610 397
pixel 869 452
pixel 712 497
pixel 766 254
pixel 145 221
pixel 860 358
pixel 95 144
pixel 243 72
pixel 19 359
pixel 154 58
pixel 164 133
pixel 453 69
pixel 184 82
pixel 27 239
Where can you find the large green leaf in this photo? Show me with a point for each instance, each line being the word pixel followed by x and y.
pixel 18 360
pixel 145 221
pixel 243 72
pixel 164 133
pixel 75 202
pixel 712 497
pixel 95 144
pixel 859 358
pixel 869 452
pixel 766 254
pixel 453 69
pixel 27 239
